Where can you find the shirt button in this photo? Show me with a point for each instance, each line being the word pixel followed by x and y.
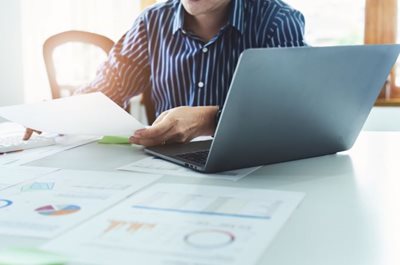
pixel 201 84
pixel 205 50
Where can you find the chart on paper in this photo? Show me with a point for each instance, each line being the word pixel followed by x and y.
pixel 182 224
pixel 151 232
pixel 5 203
pixel 11 176
pixel 47 206
pixel 195 203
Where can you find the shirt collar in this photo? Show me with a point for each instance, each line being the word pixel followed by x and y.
pixel 236 17
pixel 179 18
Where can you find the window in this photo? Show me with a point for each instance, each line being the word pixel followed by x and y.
pixel 397 71
pixel 338 22
pixel 44 18
pixel 332 22
pixel 381 27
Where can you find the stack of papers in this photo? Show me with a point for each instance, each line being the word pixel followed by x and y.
pixel 47 206
pixel 182 224
pixel 94 217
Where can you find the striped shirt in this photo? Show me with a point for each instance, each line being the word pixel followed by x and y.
pixel 180 69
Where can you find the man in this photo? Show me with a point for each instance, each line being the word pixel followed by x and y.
pixel 185 52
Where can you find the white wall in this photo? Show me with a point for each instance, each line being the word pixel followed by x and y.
pixel 383 119
pixel 11 90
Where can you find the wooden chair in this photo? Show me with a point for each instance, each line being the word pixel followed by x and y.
pixel 104 43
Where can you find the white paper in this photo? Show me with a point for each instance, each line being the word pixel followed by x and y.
pixel 10 176
pixel 89 114
pixel 54 203
pixel 159 166
pixel 182 224
pixel 10 128
pixel 63 143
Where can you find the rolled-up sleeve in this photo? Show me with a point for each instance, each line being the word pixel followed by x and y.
pixel 126 72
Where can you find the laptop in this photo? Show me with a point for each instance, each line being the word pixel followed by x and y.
pixel 290 103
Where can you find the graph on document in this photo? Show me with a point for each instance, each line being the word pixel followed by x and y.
pixel 193 203
pixel 5 203
pixel 174 237
pixel 182 224
pixel 38 186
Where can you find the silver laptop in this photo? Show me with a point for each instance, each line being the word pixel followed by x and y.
pixel 290 103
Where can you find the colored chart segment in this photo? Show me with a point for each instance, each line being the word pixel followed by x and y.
pixel 5 203
pixel 38 186
pixel 128 227
pixel 57 210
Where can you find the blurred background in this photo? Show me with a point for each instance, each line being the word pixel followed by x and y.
pixel 26 24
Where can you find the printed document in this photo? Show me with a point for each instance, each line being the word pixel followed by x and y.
pixel 10 176
pixel 63 143
pixel 182 224
pixel 88 114
pixel 47 206
pixel 159 166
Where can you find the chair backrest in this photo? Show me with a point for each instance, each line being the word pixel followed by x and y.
pixel 69 37
pixel 87 38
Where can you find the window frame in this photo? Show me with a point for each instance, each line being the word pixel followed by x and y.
pixel 381 28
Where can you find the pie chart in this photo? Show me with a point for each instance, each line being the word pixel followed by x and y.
pixel 5 203
pixel 57 210
pixel 209 239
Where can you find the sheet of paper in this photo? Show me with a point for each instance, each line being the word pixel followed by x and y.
pixel 54 203
pixel 182 224
pixel 89 114
pixel 63 143
pixel 156 165
pixel 27 256
pixel 10 176
pixel 10 128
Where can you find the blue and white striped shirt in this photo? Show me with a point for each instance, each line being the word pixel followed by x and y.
pixel 182 70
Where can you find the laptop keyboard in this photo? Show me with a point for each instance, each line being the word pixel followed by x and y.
pixel 199 157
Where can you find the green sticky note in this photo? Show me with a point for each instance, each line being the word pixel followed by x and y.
pixel 30 256
pixel 114 140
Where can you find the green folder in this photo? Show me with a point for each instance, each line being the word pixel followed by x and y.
pixel 114 140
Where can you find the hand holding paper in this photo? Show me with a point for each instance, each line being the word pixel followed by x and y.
pixel 89 114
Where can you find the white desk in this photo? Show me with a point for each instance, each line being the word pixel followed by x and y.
pixel 351 214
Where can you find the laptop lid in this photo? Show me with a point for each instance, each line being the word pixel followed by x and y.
pixel 293 103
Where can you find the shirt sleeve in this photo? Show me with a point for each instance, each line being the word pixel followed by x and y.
pixel 288 29
pixel 126 72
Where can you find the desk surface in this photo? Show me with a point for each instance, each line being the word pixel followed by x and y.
pixel 351 213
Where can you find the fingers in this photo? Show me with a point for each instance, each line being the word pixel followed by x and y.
pixel 152 135
pixel 150 141
pixel 178 125
pixel 28 134
pixel 146 141
pixel 157 130
pixel 174 135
